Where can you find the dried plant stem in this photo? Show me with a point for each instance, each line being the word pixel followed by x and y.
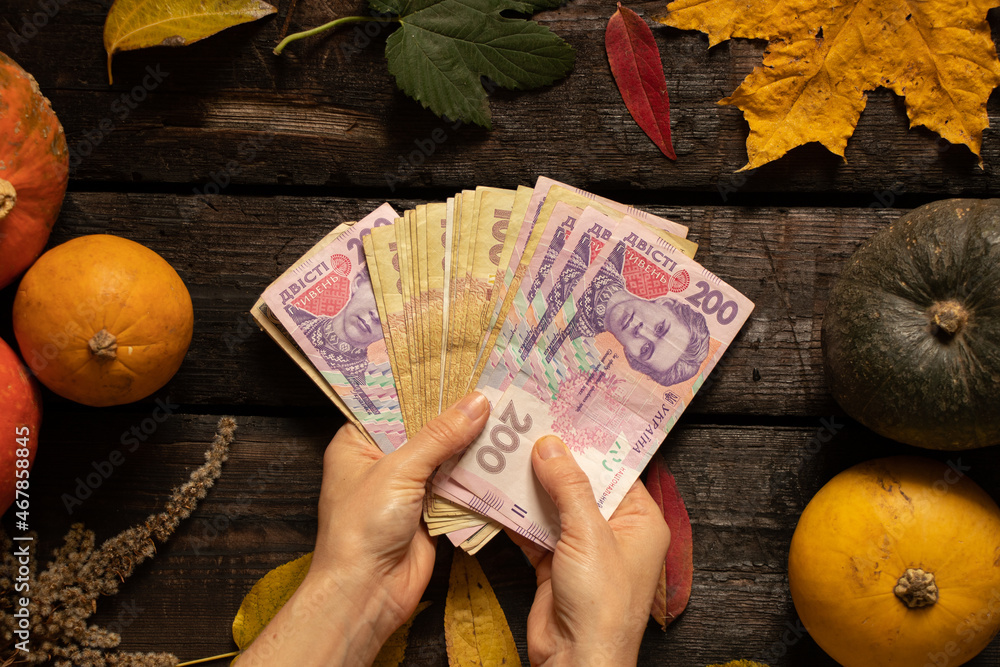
pixel 65 594
pixel 232 654
pixel 288 18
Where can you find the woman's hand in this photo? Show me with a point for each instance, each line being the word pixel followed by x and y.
pixel 373 557
pixel 596 589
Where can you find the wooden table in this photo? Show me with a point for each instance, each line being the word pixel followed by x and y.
pixel 299 143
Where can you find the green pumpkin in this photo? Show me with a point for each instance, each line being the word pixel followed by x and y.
pixel 911 336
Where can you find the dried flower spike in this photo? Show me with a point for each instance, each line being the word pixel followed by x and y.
pixel 65 594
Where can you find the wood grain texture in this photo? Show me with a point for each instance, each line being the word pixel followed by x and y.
pixel 228 249
pixel 744 487
pixel 231 163
pixel 330 100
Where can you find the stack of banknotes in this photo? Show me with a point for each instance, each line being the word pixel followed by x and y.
pixel 574 315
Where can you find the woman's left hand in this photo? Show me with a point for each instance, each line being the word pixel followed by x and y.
pixel 373 557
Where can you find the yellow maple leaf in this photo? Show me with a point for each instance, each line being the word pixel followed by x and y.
pixel 822 58
pixel 136 24
pixel 475 629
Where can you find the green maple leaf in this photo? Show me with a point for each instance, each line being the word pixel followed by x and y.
pixel 443 48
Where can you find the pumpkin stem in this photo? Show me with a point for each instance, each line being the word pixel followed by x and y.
pixel 949 316
pixel 916 588
pixel 104 345
pixel 8 197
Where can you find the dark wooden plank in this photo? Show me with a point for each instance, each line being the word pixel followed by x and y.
pixel 744 485
pixel 228 249
pixel 327 113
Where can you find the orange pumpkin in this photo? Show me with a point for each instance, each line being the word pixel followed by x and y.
pixel 20 418
pixel 896 563
pixel 102 320
pixel 34 170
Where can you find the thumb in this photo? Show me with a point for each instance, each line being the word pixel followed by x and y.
pixel 442 437
pixel 564 480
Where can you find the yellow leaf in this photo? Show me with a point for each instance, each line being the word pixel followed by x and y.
pixel 265 599
pixel 136 24
pixel 724 19
pixel 394 649
pixel 271 593
pixel 938 54
pixel 475 629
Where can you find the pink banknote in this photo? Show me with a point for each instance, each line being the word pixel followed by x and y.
pixel 328 306
pixel 640 330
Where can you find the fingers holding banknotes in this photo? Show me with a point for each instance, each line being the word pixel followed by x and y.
pixel 596 589
pixel 373 556
pixel 370 504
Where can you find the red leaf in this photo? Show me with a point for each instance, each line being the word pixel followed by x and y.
pixel 635 64
pixel 674 589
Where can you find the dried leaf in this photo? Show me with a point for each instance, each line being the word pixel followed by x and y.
pixel 136 24
pixel 741 663
pixel 475 629
pixel 265 599
pixel 822 58
pixel 271 593
pixel 674 589
pixel 638 71
pixel 394 649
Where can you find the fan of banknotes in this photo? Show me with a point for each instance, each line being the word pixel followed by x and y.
pixel 573 314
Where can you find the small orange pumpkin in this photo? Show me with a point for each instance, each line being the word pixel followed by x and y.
pixel 896 563
pixel 102 320
pixel 34 170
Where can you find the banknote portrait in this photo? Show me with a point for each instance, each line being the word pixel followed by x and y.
pixel 662 337
pixel 343 339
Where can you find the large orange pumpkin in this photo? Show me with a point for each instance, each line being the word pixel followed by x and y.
pixel 34 169
pixel 102 320
pixel 896 563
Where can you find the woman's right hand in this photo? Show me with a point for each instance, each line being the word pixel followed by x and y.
pixel 596 589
